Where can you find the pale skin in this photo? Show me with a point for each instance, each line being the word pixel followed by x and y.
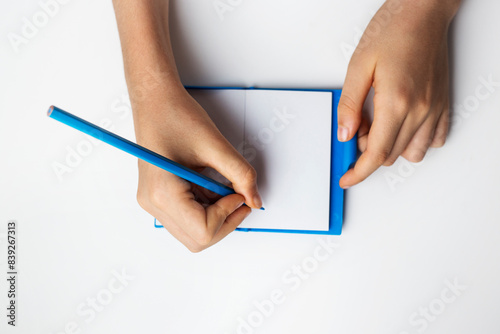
pixel 406 62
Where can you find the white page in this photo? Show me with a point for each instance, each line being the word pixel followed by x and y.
pixel 290 132
pixel 287 138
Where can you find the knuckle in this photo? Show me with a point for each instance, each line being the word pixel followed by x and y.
pixel 243 171
pixel 422 110
pixel 440 137
pixel 218 212
pixel 423 105
pixel 416 156
pixel 438 141
pixel 389 162
pixel 347 104
pixel 400 105
pixel 421 143
pixel 380 156
pixel 156 196
pixel 397 104
pixel 141 199
pixel 203 238
pixel 195 249
pixel 249 174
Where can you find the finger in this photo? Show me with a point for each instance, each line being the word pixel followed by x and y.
pixel 177 232
pixel 364 128
pixel 202 223
pixel 198 232
pixel 419 144
pixel 442 127
pixel 161 194
pixel 232 165
pixel 171 200
pixel 357 84
pixel 231 223
pixel 203 195
pixel 408 130
pixel 383 134
pixel 218 212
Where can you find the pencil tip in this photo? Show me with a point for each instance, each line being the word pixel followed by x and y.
pixel 262 208
pixel 50 110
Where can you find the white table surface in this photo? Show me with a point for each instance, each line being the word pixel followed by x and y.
pixel 390 270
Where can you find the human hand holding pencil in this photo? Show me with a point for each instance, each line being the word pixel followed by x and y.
pixel 192 139
pixel 171 123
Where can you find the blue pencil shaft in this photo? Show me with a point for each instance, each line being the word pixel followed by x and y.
pixel 138 151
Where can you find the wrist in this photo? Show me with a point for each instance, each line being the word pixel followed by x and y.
pixel 153 83
pixel 156 106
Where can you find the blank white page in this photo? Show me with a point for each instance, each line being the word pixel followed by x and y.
pixel 290 134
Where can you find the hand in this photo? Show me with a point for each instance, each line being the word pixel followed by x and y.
pixel 170 122
pixel 176 126
pixel 403 54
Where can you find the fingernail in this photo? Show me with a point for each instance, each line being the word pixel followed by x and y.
pixel 344 186
pixel 257 201
pixel 342 133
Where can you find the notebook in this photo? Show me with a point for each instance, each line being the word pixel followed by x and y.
pixel 289 137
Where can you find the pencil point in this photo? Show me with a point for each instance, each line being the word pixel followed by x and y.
pixel 262 208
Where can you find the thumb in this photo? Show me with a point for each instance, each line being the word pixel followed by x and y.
pixel 234 167
pixel 356 87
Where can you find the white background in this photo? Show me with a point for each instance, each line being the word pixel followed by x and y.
pixel 400 243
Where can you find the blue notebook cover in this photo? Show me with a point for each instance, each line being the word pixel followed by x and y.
pixel 343 155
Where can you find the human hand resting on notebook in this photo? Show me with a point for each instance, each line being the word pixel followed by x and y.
pixel 171 123
pixel 403 55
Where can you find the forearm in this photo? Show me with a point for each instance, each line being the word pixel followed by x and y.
pixel 445 8
pixel 153 82
pixel 147 54
pixel 449 7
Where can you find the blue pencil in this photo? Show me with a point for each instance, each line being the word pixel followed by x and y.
pixel 139 151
